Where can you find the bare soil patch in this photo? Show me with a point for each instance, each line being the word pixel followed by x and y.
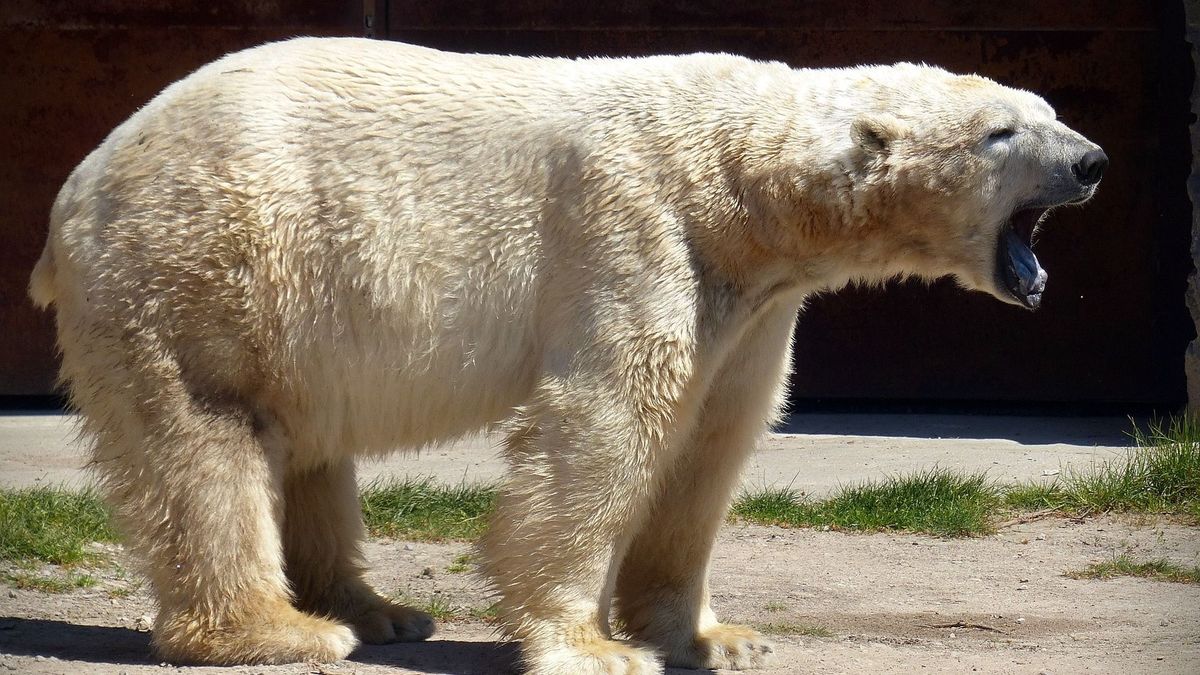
pixel 836 603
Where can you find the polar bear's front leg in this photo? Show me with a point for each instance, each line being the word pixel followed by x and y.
pixel 582 456
pixel 662 592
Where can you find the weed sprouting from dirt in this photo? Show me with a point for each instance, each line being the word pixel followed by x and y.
pixel 788 628
pixel 1162 475
pixel 47 583
pixel 460 564
pixel 442 608
pixel 1124 565
pixel 489 614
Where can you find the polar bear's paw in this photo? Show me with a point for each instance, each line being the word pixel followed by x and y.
pixel 284 636
pixel 598 657
pixel 725 646
pixel 386 622
pixel 375 619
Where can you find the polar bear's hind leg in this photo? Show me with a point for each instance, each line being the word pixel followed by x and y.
pixel 199 499
pixel 323 529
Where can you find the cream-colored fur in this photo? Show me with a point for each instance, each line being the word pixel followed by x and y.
pixel 320 250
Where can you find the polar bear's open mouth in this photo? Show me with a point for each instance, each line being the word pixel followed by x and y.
pixel 1018 266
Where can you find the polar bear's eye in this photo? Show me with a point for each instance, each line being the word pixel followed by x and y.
pixel 1002 134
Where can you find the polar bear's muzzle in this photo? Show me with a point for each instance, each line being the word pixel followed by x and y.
pixel 1018 267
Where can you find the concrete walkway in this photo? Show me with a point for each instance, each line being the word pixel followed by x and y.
pixel 816 453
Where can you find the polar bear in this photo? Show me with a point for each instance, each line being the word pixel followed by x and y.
pixel 326 249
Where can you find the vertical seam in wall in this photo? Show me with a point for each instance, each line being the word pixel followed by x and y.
pixel 1191 10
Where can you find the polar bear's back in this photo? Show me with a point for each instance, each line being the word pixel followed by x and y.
pixel 391 222
pixel 370 216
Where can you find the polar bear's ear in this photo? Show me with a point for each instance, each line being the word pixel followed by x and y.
pixel 875 132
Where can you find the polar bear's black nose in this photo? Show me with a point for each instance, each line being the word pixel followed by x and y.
pixel 1090 169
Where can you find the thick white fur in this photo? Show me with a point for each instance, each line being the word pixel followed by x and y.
pixel 319 250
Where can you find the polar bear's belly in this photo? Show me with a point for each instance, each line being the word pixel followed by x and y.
pixel 410 378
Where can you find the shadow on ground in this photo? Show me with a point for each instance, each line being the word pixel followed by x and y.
pixel 124 646
pixel 74 642
pixel 458 658
pixel 453 657
pixel 1086 431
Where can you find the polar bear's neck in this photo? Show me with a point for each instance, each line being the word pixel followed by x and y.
pixel 781 183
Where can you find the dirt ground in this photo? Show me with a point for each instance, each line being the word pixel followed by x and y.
pixel 834 602
pixel 878 603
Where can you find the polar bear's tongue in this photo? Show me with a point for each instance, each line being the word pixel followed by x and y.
pixel 1023 275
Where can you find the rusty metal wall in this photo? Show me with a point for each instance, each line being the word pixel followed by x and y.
pixel 1113 326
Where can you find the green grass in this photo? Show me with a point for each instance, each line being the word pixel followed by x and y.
pixel 1125 566
pixel 1033 497
pixel 461 563
pixel 49 583
pixel 1161 475
pixel 442 608
pixel 53 525
pixel 438 606
pixel 936 501
pixel 487 614
pixel 423 510
pixel 788 628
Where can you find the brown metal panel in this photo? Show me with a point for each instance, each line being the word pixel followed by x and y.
pixel 67 14
pixel 836 15
pixel 1112 327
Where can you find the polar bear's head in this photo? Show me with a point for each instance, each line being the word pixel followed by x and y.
pixel 962 170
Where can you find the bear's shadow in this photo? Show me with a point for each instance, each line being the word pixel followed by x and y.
pixel 74 642
pixel 106 644
pixel 458 658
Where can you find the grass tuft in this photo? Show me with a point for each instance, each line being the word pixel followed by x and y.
pixel 442 608
pixel 419 509
pixel 936 502
pixel 53 525
pixel 1033 497
pixel 1160 475
pixel 49 583
pixel 1125 566
pixel 773 506
pixel 460 564
pixel 489 614
pixel 787 628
